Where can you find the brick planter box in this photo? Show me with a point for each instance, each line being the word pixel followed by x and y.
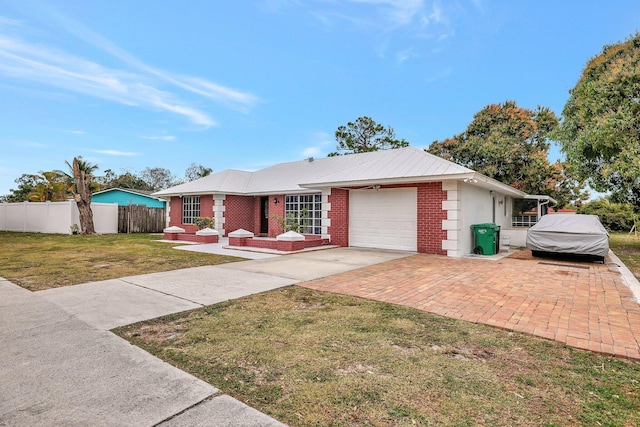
pixel 310 241
pixel 206 235
pixel 186 237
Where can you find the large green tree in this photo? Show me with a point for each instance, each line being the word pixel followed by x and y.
pixel 365 135
pixel 195 171
pixel 600 130
pixel 158 178
pixel 510 144
pixel 125 180
pixel 27 182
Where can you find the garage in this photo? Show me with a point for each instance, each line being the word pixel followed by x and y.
pixel 383 218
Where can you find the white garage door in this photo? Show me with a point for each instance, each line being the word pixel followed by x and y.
pixel 386 218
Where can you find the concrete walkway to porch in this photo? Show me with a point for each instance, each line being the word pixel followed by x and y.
pixel 584 305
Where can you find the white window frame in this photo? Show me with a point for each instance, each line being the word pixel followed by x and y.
pixel 190 209
pixel 296 204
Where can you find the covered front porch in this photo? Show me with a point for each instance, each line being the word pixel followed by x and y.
pixel 527 212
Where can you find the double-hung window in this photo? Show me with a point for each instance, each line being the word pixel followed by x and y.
pixel 190 209
pixel 306 210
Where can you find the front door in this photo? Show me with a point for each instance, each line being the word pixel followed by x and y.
pixel 264 215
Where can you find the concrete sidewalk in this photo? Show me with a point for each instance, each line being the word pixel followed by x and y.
pixel 62 366
pixel 57 370
pixel 117 302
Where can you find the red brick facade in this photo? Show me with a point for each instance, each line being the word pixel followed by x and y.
pixel 310 241
pixel 274 209
pixel 339 216
pixel 430 216
pixel 175 212
pixel 245 212
pixel 206 206
pixel 239 212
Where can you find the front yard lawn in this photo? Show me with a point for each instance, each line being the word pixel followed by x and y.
pixel 309 358
pixel 38 261
pixel 627 247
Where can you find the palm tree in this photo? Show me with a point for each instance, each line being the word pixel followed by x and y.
pixel 52 187
pixel 80 184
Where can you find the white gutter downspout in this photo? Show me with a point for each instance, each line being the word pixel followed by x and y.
pixel 540 204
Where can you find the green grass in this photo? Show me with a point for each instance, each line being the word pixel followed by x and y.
pixel 39 261
pixel 627 247
pixel 309 358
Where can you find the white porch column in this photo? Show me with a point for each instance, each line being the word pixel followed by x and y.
pixel 453 222
pixel 218 212
pixel 326 207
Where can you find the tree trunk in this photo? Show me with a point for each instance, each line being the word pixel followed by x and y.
pixel 82 197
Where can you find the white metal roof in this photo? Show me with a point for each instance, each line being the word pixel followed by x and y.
pixel 229 181
pixel 402 165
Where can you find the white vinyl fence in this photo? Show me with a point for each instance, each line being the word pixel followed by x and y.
pixel 55 217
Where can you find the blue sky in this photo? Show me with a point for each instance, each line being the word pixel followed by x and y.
pixel 246 84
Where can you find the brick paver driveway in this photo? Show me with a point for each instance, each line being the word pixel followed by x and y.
pixel 585 305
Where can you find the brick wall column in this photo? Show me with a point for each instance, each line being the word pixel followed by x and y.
pixel 206 206
pixel 338 216
pixel 175 211
pixel 239 212
pixel 278 210
pixel 430 218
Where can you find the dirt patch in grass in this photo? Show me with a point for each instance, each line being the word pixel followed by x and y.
pixel 39 261
pixel 311 358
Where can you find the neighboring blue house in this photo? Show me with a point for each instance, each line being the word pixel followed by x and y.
pixel 128 196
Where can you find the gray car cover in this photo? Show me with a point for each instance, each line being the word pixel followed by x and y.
pixel 569 234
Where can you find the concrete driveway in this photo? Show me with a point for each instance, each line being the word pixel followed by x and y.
pixel 61 365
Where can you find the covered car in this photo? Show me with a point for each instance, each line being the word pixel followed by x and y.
pixel 569 234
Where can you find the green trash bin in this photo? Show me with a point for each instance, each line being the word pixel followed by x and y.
pixel 485 238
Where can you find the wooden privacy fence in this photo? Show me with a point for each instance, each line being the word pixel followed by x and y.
pixel 141 219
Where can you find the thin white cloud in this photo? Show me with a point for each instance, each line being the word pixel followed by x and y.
pixel 227 96
pixel 405 25
pixel 137 85
pixel 440 75
pixel 405 54
pixel 76 132
pixel 478 4
pixel 116 153
pixel 320 143
pixel 400 11
pixel 33 144
pixel 381 14
pixel 311 151
pixel 7 22
pixel 26 61
pixel 160 137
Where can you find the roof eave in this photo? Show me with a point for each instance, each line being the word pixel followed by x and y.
pixel 542 197
pixel 469 177
pixel 383 181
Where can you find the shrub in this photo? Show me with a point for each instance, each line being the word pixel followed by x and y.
pixel 289 222
pixel 614 216
pixel 204 222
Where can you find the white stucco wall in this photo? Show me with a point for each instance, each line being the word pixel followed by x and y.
pixel 476 207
